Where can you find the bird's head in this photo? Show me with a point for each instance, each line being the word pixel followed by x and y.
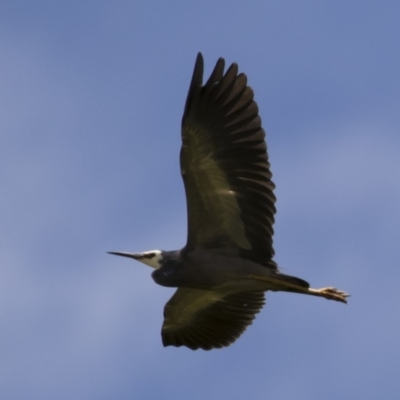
pixel 153 258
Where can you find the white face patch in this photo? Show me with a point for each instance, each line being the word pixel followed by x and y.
pixel 151 258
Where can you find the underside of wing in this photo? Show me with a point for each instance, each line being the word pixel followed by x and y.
pixel 225 167
pixel 206 319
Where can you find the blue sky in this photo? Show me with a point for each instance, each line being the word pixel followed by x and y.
pixel 91 100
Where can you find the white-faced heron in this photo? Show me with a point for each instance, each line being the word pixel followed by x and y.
pixel 227 263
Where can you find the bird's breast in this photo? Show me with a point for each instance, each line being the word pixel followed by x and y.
pixel 165 276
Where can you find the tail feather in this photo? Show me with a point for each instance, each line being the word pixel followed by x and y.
pixel 294 281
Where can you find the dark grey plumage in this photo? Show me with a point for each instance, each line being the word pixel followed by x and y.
pixel 226 266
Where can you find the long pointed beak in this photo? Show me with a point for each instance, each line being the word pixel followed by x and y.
pixel 135 256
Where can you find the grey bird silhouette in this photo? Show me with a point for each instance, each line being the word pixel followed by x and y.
pixel 227 263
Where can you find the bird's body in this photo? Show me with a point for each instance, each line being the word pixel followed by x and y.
pixel 197 269
pixel 227 263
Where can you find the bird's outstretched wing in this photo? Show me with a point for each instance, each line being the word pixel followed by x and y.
pixel 225 167
pixel 206 319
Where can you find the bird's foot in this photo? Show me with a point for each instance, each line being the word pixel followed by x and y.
pixel 330 293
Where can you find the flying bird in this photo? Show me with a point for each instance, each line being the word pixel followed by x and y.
pixel 227 264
